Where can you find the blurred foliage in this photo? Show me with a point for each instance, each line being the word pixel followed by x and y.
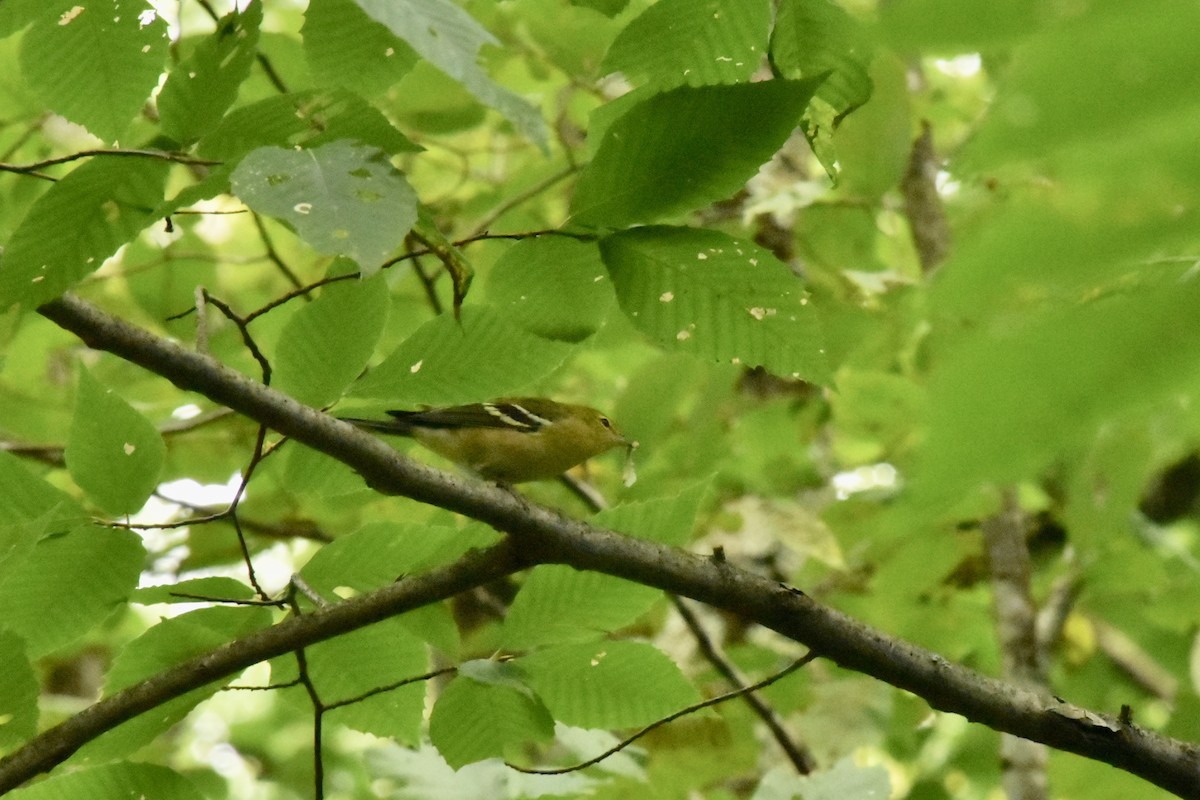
pixel 683 212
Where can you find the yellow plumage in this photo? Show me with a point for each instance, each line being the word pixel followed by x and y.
pixel 512 440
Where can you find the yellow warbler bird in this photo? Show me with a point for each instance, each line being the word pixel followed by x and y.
pixel 511 440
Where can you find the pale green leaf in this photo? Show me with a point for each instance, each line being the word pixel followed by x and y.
pixel 16 14
pixel 24 497
pixel 958 26
pixel 446 36
pixel 341 198
pixel 381 553
pixel 112 452
pixel 311 473
pixel 721 298
pixel 1062 87
pixel 214 588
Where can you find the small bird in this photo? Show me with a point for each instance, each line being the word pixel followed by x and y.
pixel 510 440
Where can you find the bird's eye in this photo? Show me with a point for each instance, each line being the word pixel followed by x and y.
pixel 606 422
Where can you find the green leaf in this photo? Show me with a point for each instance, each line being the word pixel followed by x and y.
pixel 163 646
pixel 214 589
pixel 718 297
pixel 96 64
pixel 24 497
pixel 203 86
pixel 669 520
pixel 1010 398
pixel 381 553
pixel 609 8
pixel 958 26
pixel 551 286
pixel 311 473
pixel 345 47
pixel 303 119
pixel 446 361
pixel 326 344
pixel 1061 91
pixel 111 781
pixel 686 148
pixel 77 224
pixel 356 663
pixel 561 604
pixel 446 36
pixel 342 199
pixel 692 42
pixel 815 37
pixel 16 14
pixel 473 721
pixel 615 684
pixel 68 583
pixel 18 692
pixel 844 781
pixel 113 452
pixel 453 261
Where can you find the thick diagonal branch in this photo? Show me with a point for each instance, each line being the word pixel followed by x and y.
pixel 542 535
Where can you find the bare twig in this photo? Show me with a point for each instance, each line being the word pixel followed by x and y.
pixel 801 759
pixel 178 158
pixel 692 709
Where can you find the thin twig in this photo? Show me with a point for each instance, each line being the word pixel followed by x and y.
pixel 243 326
pixel 273 254
pixel 692 709
pixel 801 759
pixel 522 197
pixel 437 673
pixel 305 678
pixel 178 158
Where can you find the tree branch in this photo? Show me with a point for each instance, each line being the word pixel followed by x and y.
pixel 53 746
pixel 544 536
